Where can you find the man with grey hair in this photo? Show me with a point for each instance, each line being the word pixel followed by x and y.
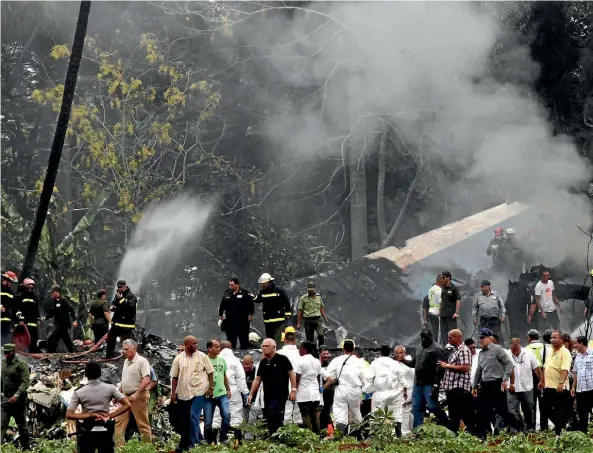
pixel 134 385
pixel 274 372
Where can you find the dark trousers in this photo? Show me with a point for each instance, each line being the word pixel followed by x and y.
pixel 123 332
pixel 310 412
pixel 522 402
pixel 274 331
pixel 99 331
pixel 493 323
pixel 60 333
pixel 325 418
pixel 539 401
pixel 461 407
pixel 556 407
pixel 238 332
pixel 434 322
pixel 91 441
pixel 584 408
pixel 181 422
pixel 552 321
pixel 314 326
pixel 492 399
pixel 16 411
pixel 273 413
pixel 447 325
pixel 34 335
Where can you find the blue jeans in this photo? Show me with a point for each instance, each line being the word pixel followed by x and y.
pixel 222 402
pixel 195 435
pixel 421 398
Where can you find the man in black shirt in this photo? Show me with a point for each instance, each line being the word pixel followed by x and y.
pixel 450 306
pixel 426 380
pixel 100 316
pixel 236 308
pixel 274 371
pixel 64 316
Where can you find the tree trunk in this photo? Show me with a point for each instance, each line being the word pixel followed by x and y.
pixel 358 202
pixel 400 218
pixel 380 190
pixel 59 137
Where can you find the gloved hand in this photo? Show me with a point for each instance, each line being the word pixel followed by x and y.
pixel 244 397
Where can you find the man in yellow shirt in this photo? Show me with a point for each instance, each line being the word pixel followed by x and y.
pixel 556 392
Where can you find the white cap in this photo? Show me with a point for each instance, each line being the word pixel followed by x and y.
pixel 264 278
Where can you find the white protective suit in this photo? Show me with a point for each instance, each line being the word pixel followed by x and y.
pixel 292 414
pixel 407 417
pixel 348 393
pixel 385 379
pixel 238 385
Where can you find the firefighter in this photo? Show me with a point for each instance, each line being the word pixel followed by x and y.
pixel 14 382
pixel 123 321
pixel 496 246
pixel 275 306
pixel 64 316
pixel 8 305
pixel 28 311
pixel 236 309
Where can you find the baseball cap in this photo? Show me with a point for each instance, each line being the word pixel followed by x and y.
pixel 485 283
pixel 56 288
pixel 533 333
pixel 121 283
pixel 311 285
pixel 484 332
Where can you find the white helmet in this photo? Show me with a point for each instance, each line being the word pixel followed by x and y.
pixel 510 231
pixel 265 278
pixel 254 337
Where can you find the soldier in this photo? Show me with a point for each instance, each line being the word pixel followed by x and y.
pixel 15 382
pixel 311 309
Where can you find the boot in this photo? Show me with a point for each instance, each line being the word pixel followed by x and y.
pixel 342 428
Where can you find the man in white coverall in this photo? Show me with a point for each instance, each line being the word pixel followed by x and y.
pixel 407 418
pixel 385 379
pixel 236 376
pixel 292 414
pixel 347 374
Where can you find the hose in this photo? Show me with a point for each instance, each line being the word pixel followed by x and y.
pixel 65 355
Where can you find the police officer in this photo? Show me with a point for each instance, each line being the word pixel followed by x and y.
pixel 311 310
pixel 63 315
pixel 15 382
pixel 275 306
pixel 8 305
pixel 28 311
pixel 488 310
pixel 236 311
pixel 95 425
pixel 123 320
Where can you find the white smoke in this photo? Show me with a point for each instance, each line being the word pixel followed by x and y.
pixel 165 231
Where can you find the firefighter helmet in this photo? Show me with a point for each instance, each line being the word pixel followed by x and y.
pixel 254 337
pixel 28 281
pixel 498 231
pixel 265 278
pixel 10 276
pixel 510 231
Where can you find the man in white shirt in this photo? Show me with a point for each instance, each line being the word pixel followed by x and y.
pixel 546 302
pixel 385 379
pixel 432 306
pixel 292 415
pixel 520 397
pixel 347 374
pixel 407 418
pixel 308 398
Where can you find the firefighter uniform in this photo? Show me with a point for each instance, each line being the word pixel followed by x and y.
pixel 8 306
pixel 28 313
pixel 63 315
pixel 123 321
pixel 276 308
pixel 236 309
pixel 15 381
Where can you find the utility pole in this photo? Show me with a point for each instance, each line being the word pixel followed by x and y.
pixel 59 137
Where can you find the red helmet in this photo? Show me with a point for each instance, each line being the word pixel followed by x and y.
pixel 10 276
pixel 498 231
